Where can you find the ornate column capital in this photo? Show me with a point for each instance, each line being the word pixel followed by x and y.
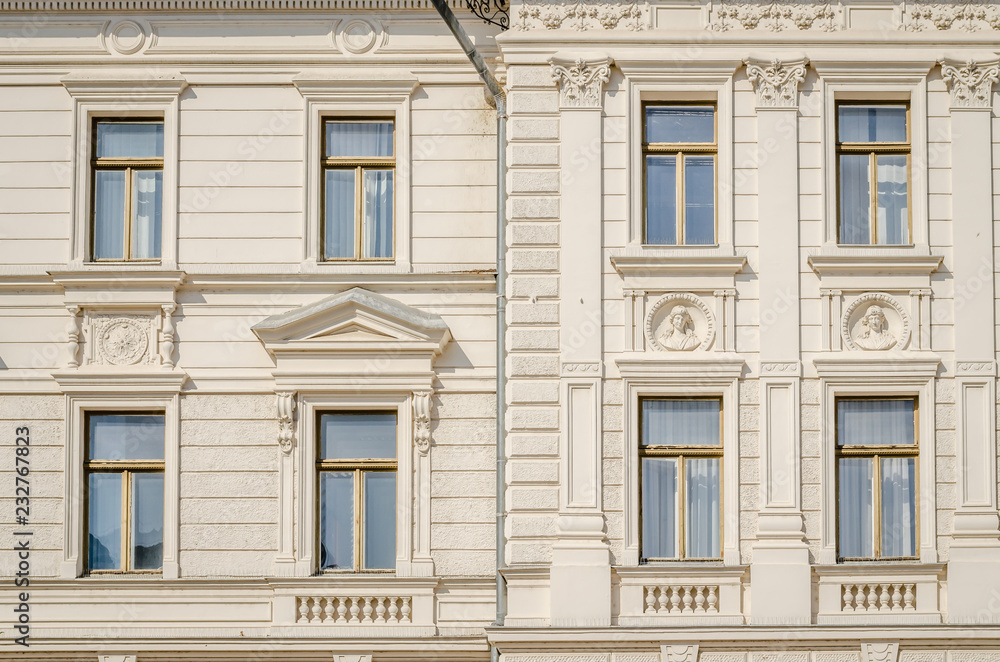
pixel 970 84
pixel 581 81
pixel 776 83
pixel 286 420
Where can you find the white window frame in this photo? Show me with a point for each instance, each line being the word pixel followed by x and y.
pixel 692 85
pixel 642 378
pixel 74 516
pixel 377 97
pixel 859 83
pixel 871 378
pixel 311 404
pixel 122 98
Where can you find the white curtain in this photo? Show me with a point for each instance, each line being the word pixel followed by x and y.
pixel 661 200
pixel 358 139
pixel 147 205
pixel 129 140
pixel 868 422
pixel 109 215
pixel 680 422
pixel 659 508
pixel 893 219
pixel 699 200
pixel 338 222
pixel 378 213
pixel 380 520
pixel 899 536
pixel 855 199
pixel 702 517
pixel 855 509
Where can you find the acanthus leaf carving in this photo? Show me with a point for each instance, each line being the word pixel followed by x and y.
pixel 122 340
pixel 581 82
pixel 971 84
pixel 422 421
pixel 286 421
pixel 581 15
pixel 964 15
pixel 776 83
pixel 774 15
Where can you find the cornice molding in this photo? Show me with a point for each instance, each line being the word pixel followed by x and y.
pixel 214 5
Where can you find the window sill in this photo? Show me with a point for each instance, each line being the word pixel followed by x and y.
pixel 395 266
pixel 644 260
pixel 839 260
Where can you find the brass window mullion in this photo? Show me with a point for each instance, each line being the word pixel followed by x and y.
pixel 358 212
pixel 128 214
pixel 873 194
pixel 682 507
pixel 877 505
pixel 358 518
pixel 126 532
pixel 679 216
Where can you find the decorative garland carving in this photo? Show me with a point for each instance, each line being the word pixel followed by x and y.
pixel 286 421
pixel 964 15
pixel 704 329
pixel 774 15
pixel 422 421
pixel 581 82
pixel 893 336
pixel 582 15
pixel 122 340
pixel 971 84
pixel 776 84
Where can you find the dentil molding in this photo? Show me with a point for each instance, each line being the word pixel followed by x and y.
pixel 776 83
pixel 774 15
pixel 970 84
pixel 581 81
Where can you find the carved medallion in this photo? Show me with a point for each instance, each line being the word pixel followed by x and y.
pixel 122 340
pixel 874 322
pixel 679 322
pixel 125 37
pixel 358 36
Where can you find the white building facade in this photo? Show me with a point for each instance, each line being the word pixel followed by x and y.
pixel 248 287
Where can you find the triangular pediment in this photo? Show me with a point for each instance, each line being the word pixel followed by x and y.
pixel 357 320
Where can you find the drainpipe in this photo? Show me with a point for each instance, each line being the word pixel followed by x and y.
pixel 500 101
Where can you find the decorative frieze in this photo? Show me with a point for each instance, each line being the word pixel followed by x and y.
pixel 581 15
pixel 875 321
pixel 581 82
pixel 286 421
pixel 776 83
pixel 963 15
pixel 787 368
pixel 422 421
pixel 357 610
pixel 774 15
pixel 978 368
pixel 585 369
pixel 882 597
pixel 669 599
pixel 970 84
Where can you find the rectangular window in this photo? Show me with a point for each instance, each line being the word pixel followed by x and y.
pixel 680 455
pixel 127 180
pixel 124 492
pixel 680 156
pixel 356 468
pixel 358 168
pixel 876 479
pixel 873 170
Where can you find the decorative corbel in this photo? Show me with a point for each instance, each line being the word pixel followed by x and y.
pixel 880 651
pixel 678 652
pixel 422 421
pixel 581 81
pixel 971 84
pixel 777 82
pixel 73 336
pixel 286 421
pixel 168 335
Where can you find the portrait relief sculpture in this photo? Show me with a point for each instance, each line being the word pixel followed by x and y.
pixel 678 332
pixel 874 331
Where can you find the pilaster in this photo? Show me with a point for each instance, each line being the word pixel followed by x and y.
pixel 780 574
pixel 581 561
pixel 973 573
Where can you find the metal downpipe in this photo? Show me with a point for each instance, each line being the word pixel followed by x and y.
pixel 500 101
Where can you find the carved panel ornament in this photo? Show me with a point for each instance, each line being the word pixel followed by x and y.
pixel 679 322
pixel 881 651
pixel 964 15
pixel 776 83
pixel 286 421
pixel 774 15
pixel 874 322
pixel 679 653
pixel 582 15
pixel 971 84
pixel 122 340
pixel 422 421
pixel 581 82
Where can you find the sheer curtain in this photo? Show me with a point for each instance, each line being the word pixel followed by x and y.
pixel 899 535
pixel 109 215
pixel 129 140
pixel 358 139
pixel 378 213
pixel 661 200
pixel 680 422
pixel 699 199
pixel 856 508
pixel 380 520
pixel 893 216
pixel 855 199
pixel 702 517
pixel 338 239
pixel 336 519
pixel 147 203
pixel 868 422
pixel 659 508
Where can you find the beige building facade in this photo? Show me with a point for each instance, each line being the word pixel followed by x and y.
pixel 248 287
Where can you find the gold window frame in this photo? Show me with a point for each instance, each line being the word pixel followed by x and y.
pixel 680 150
pixel 877 452
pixel 682 453
pixel 359 165
pixel 359 467
pixel 127 468
pixel 874 150
pixel 128 166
